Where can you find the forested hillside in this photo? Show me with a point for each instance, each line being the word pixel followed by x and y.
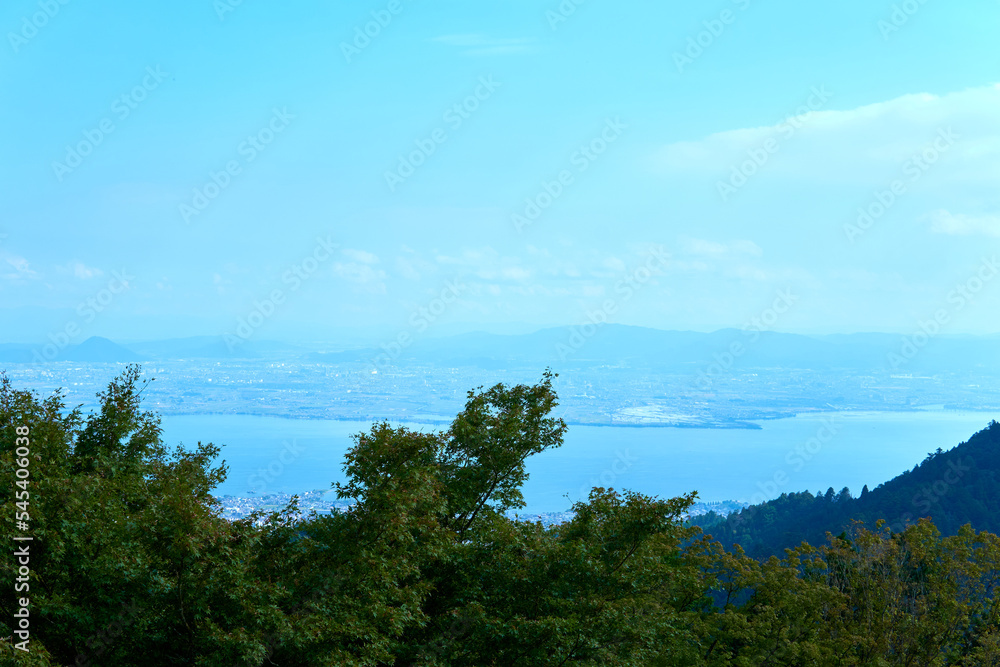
pixel 952 488
pixel 127 561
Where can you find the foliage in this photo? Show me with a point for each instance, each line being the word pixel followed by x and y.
pixel 953 488
pixel 132 563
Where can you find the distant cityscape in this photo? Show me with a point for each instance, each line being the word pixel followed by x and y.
pixel 682 387
pixel 325 502
pixel 599 395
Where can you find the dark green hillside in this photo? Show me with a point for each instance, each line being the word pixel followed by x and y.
pixel 953 488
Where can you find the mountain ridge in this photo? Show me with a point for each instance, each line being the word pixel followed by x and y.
pixel 953 487
pixel 567 346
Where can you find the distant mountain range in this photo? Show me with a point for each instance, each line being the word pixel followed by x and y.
pixel 562 347
pixel 682 350
pixel 94 349
pixel 213 347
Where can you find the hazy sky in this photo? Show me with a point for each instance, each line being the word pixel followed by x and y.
pixel 178 163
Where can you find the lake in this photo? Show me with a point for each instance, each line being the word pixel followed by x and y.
pixel 809 452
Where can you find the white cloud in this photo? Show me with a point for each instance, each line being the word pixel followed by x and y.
pixel 406 269
pixel 360 256
pixel 868 144
pixel 515 273
pixel 22 268
pixel 702 247
pixel 684 266
pixel 734 253
pixel 746 248
pixel 362 276
pixel 468 257
pixel 220 283
pixel 944 222
pixel 84 272
pixel 748 273
pixel 615 264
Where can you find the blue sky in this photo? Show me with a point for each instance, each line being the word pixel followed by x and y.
pixel 628 135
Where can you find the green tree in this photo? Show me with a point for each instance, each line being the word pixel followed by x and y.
pixel 132 563
pixel 130 556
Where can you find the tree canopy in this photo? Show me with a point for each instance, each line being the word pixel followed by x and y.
pixel 133 564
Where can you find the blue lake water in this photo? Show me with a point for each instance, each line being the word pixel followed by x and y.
pixel 809 452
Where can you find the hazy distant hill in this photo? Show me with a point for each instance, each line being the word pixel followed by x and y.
pixel 95 350
pixel 98 349
pixel 211 347
pixel 573 347
pixel 656 349
pixel 953 487
pixel 614 344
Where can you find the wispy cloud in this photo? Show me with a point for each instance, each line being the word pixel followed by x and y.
pixel 84 272
pixel 362 256
pixel 944 222
pixel 693 246
pixel 22 269
pixel 860 144
pixel 221 284
pixel 361 276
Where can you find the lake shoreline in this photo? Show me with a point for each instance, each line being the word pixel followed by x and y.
pixel 753 424
pixel 814 450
